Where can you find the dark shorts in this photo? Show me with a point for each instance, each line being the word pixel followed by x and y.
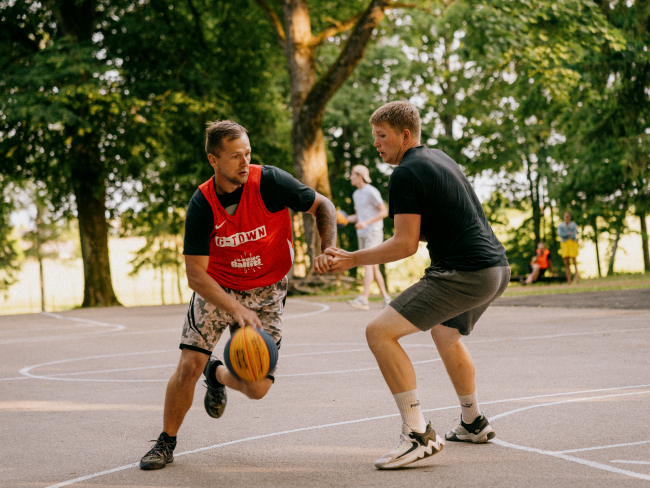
pixel 453 298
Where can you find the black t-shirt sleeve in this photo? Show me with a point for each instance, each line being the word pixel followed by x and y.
pixel 198 226
pixel 279 189
pixel 403 190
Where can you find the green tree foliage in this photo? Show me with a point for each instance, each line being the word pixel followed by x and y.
pixel 47 230
pixel 196 56
pixel 9 248
pixel 604 169
pixel 69 122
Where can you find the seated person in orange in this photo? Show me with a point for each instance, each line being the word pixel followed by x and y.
pixel 539 264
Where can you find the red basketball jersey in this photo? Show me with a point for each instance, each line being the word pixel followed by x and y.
pixel 253 247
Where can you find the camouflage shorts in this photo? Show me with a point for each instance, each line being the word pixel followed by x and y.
pixel 204 323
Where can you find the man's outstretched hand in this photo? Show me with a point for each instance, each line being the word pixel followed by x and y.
pixel 338 260
pixel 322 263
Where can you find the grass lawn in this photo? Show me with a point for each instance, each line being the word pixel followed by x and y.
pixel 608 283
pixel 616 282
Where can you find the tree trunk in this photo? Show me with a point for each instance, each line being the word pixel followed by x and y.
pixel 178 283
pixel 76 18
pixel 39 255
pixel 594 226
pixel 448 90
pixel 162 285
pixel 310 97
pixel 534 197
pixel 610 267
pixel 93 232
pixel 40 275
pixel 644 241
pixel 620 221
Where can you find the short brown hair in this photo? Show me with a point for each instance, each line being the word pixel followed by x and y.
pixel 219 130
pixel 400 116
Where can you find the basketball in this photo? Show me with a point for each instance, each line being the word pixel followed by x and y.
pixel 250 354
pixel 341 219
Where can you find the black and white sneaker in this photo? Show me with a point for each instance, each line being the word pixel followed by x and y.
pixel 477 432
pixel 160 455
pixel 215 398
pixel 412 447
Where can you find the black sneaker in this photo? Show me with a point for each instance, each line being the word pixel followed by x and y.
pixel 477 432
pixel 215 398
pixel 160 455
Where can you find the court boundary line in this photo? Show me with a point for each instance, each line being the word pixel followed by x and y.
pixel 551 336
pixel 117 327
pixel 611 446
pixel 59 376
pixel 380 417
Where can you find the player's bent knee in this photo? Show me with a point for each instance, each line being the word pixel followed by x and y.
pixel 257 391
pixel 375 335
pixel 190 370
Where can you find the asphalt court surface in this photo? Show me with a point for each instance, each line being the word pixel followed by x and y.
pixel 616 299
pixel 567 392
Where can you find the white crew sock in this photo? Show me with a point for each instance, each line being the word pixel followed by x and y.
pixel 409 407
pixel 469 407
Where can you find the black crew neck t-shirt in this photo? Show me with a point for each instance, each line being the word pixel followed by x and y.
pixel 278 190
pixel 429 183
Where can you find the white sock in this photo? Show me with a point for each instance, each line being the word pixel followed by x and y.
pixel 409 407
pixel 469 407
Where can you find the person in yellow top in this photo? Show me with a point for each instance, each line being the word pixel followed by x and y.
pixel 568 232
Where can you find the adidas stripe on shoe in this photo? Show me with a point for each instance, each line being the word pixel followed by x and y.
pixel 477 432
pixel 412 447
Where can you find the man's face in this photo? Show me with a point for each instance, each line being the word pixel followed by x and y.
pixel 567 217
pixel 388 142
pixel 232 162
pixel 355 178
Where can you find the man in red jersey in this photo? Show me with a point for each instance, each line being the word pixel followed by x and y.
pixel 238 250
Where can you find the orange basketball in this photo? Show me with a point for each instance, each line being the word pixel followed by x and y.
pixel 250 354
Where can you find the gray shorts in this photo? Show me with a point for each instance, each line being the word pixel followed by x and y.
pixel 453 298
pixel 204 323
pixel 371 240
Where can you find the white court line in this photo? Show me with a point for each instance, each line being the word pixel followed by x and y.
pixel 573 400
pixel 630 462
pixel 347 422
pixel 560 454
pixel 349 370
pixel 60 376
pixel 115 370
pixel 115 327
pixel 486 341
pixel 25 370
pixel 323 308
pixel 591 464
pixel 605 447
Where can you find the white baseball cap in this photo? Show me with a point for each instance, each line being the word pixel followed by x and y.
pixel 362 171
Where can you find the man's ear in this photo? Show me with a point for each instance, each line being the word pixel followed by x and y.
pixel 212 160
pixel 406 134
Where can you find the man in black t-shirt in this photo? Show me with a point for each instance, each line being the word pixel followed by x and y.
pixel 233 288
pixel 430 200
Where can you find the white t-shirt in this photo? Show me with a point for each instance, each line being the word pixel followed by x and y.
pixel 366 201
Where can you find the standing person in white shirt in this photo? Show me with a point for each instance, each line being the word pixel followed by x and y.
pixel 368 218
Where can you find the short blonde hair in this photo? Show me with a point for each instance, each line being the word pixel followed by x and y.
pixel 399 116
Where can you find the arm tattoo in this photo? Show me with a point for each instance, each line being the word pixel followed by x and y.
pixel 326 223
